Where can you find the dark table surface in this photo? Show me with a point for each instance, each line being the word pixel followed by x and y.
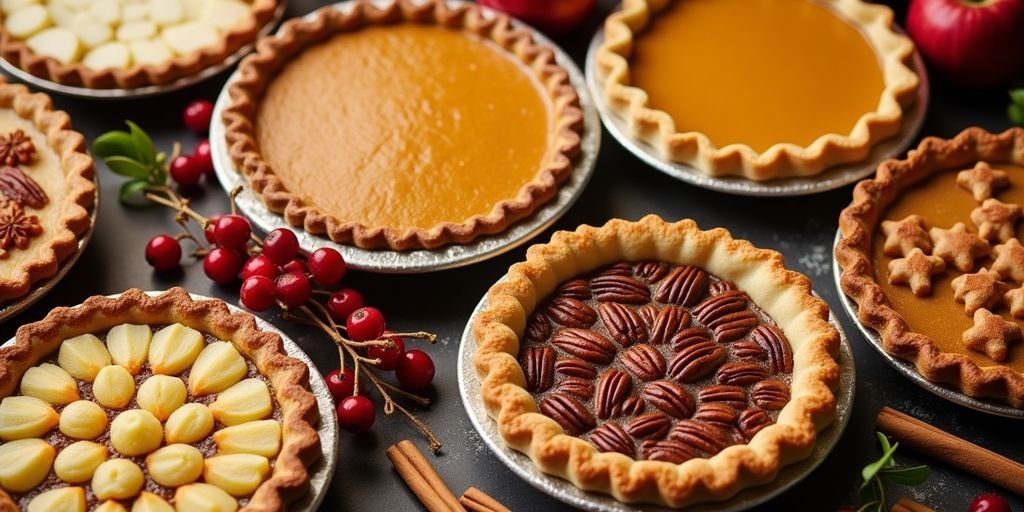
pixel 801 228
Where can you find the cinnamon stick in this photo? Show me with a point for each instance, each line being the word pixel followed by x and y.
pixel 929 440
pixel 425 483
pixel 909 505
pixel 476 500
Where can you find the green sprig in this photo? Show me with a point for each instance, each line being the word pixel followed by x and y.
pixel 131 154
pixel 872 491
pixel 1016 108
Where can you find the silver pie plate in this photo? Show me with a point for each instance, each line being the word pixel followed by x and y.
pixel 565 491
pixel 447 257
pixel 906 367
pixel 831 178
pixel 322 471
pixel 9 309
pixel 149 90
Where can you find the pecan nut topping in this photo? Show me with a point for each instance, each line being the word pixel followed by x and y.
pixel 753 420
pixel 670 398
pixel 727 316
pixel 574 289
pixel 620 288
pixel 623 323
pixel 747 350
pixel 649 312
pixel 696 361
pixel 568 412
pixel 689 336
pixel 612 388
pixel 611 437
pixel 16 148
pixel 575 368
pixel 733 396
pixel 572 312
pixel 669 321
pixel 741 374
pixel 684 286
pixel 719 287
pixel 631 406
pixel 651 271
pixel 21 188
pixel 538 329
pixel 644 361
pixel 771 395
pixel 538 367
pixel 717 413
pixel 780 353
pixel 703 437
pixel 667 450
pixel 586 345
pixel 578 387
pixel 651 425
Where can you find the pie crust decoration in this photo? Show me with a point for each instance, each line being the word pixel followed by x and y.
pixel 87 405
pixel 649 101
pixel 394 163
pixel 46 189
pixel 966 333
pixel 656 362
pixel 103 44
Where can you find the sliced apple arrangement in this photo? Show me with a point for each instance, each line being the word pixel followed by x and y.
pixel 107 421
pixel 120 34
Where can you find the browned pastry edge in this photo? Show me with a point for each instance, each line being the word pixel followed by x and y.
pixel 78 197
pixel 857 224
pixel 17 52
pixel 289 377
pixel 783 294
pixel 256 72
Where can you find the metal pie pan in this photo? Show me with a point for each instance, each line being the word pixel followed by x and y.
pixel 565 491
pixel 447 257
pixel 829 179
pixel 149 90
pixel 322 471
pixel 906 367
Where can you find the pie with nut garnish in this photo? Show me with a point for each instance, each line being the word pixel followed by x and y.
pixel 951 303
pixel 152 403
pixel 657 362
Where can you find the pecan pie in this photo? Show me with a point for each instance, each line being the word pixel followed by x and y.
pixel 931 252
pixel 148 402
pixel 657 362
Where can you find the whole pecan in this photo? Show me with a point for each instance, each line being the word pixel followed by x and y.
pixel 683 286
pixel 771 395
pixel 567 412
pixel 21 188
pixel 741 374
pixel 624 325
pixel 538 329
pixel 622 268
pixel 734 396
pixel 669 321
pixel 719 306
pixel 752 420
pixel 571 312
pixel 576 386
pixel 644 361
pixel 612 388
pixel 651 425
pixel 717 413
pixel 734 326
pixel 689 336
pixel 575 368
pixel 721 286
pixel 611 437
pixel 649 312
pixel 670 398
pixel 667 450
pixel 651 271
pixel 585 344
pixel 574 289
pixel 631 406
pixel 695 361
pixel 538 367
pixel 774 342
pixel 727 316
pixel 747 350
pixel 616 288
pixel 702 436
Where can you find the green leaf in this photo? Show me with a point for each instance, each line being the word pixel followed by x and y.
pixel 907 476
pixel 127 167
pixel 143 144
pixel 871 470
pixel 884 441
pixel 1016 113
pixel 1017 95
pixel 132 188
pixel 114 143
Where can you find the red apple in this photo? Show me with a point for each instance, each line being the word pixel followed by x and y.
pixel 974 44
pixel 551 16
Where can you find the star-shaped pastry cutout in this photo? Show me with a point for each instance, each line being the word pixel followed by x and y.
pixel 916 270
pixel 959 247
pixel 996 220
pixel 991 334
pixel 1009 260
pixel 983 289
pixel 1015 300
pixel 902 236
pixel 983 181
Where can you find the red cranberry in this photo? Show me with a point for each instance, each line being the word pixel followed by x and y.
pixel 415 370
pixel 258 293
pixel 295 265
pixel 293 288
pixel 365 324
pixel 341 385
pixel 163 252
pixel 197 116
pixel 208 231
pixel 343 302
pixel 389 357
pixel 222 265
pixel 185 171
pixel 356 414
pixel 232 231
pixel 327 266
pixel 202 157
pixel 281 246
pixel 989 503
pixel 260 266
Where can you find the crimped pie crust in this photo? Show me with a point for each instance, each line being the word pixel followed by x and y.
pixel 858 222
pixel 78 197
pixel 17 52
pixel 258 70
pixel 300 444
pixel 783 294
pixel 658 128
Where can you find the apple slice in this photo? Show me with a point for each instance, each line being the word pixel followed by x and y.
pixel 106 10
pixel 166 12
pixel 61 14
pixel 192 9
pixel 224 14
pixel 136 30
pixel 150 51
pixel 189 37
pixel 91 31
pixel 9 6
pixel 134 12
pixel 57 42
pixel 27 21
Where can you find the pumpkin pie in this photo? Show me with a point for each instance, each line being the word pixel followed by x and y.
pixel 960 321
pixel 101 44
pixel 152 402
pixel 403 125
pixel 657 362
pixel 46 189
pixel 752 88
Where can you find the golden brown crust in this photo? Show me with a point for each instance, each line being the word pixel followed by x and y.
pixel 289 377
pixel 256 72
pixel 79 196
pixel 783 294
pixel 658 129
pixel 857 224
pixel 17 52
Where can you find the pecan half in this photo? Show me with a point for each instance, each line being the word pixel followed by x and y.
pixel 774 342
pixel 611 437
pixel 575 289
pixel 631 406
pixel 727 316
pixel 651 271
pixel 575 368
pixel 741 374
pixel 717 413
pixel 21 188
pixel 649 312
pixel 720 305
pixel 616 288
pixel 576 386
pixel 733 396
pixel 667 450
pixel 653 424
pixel 538 329
pixel 689 336
pixel 585 344
pixel 624 325
pixel 538 367
pixel 695 361
pixel 747 350
pixel 751 421
pixel 644 361
pixel 771 395
pixel 612 388
pixel 668 322
pixel 670 398
pixel 621 268
pixel 721 286
pixel 567 412
pixel 702 436
pixel 571 312
pixel 683 286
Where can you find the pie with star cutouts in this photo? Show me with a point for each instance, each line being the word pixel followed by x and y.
pixel 960 325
